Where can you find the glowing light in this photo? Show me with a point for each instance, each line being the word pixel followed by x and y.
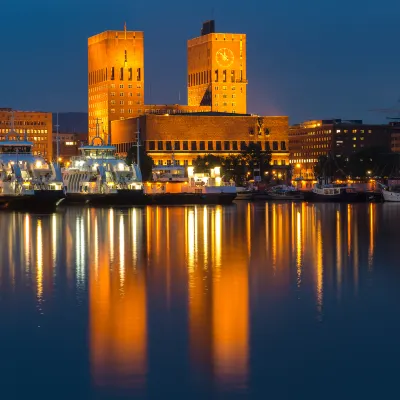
pixel 121 252
pixel 190 172
pixel 38 164
pixel 121 166
pixel 39 261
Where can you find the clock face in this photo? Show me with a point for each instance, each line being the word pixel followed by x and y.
pixel 224 57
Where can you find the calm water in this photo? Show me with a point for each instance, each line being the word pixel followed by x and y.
pixel 266 301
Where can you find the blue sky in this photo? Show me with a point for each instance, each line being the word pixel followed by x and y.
pixel 306 59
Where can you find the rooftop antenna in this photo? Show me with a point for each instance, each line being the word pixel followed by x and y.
pixel 125 29
pixel 179 96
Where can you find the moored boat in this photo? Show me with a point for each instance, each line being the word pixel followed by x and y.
pixel 171 186
pixel 99 177
pixel 391 194
pixel 27 181
pixel 334 193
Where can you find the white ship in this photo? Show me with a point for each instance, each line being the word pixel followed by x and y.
pixel 99 176
pixel 27 181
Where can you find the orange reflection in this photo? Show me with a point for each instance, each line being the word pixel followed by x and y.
pixel 118 315
pixel 371 236
pixel 320 271
pixel 39 261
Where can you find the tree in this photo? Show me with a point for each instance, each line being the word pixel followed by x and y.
pixel 203 164
pixel 255 157
pixel 146 162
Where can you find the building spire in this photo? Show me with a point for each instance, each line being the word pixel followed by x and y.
pixel 125 28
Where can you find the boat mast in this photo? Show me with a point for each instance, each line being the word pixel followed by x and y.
pixel 58 142
pixel 138 143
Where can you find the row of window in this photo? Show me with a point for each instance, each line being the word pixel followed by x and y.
pixel 122 111
pixel 102 75
pixel 25 123
pixel 186 162
pixel 211 145
pixel 22 131
pixel 204 77
pixel 122 94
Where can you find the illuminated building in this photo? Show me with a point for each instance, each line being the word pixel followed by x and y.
pixel 312 139
pixel 186 136
pixel 395 140
pixel 115 77
pixel 69 144
pixel 217 70
pixel 37 126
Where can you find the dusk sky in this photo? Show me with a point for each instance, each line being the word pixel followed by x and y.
pixel 305 59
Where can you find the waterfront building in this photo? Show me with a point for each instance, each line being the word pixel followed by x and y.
pixel 395 138
pixel 341 138
pixel 69 144
pixel 186 136
pixel 36 125
pixel 217 70
pixel 115 77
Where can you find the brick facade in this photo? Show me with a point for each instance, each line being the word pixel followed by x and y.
pixel 190 135
pixel 37 125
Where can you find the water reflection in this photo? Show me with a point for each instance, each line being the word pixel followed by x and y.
pixel 147 275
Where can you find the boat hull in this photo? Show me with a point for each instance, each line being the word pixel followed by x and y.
pixel 40 201
pixel 192 198
pixel 393 197
pixel 344 197
pixel 120 198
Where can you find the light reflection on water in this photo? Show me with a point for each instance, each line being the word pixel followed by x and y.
pixel 188 290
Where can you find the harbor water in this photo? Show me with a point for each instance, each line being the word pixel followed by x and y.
pixel 253 300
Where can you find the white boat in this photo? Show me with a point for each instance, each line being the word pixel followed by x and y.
pixel 392 195
pixel 27 181
pixel 171 185
pixel 99 176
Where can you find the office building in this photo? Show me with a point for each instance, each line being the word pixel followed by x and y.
pixel 312 139
pixel 36 125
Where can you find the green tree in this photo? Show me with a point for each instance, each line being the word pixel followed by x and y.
pixel 203 164
pixel 146 162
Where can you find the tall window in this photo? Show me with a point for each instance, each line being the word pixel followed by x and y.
pixel 138 75
pixel 168 145
pixel 202 145
pixel 224 75
pixel 232 76
pixel 216 75
pixel 274 145
pixel 194 146
pixel 160 145
pixel 210 145
pixel 121 74
pixel 283 145
pixel 218 145
pixel 177 145
pixel 226 145
pixel 185 145
pixel 112 73
pixel 235 145
pixel 129 74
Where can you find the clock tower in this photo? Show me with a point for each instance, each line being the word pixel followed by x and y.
pixel 217 70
